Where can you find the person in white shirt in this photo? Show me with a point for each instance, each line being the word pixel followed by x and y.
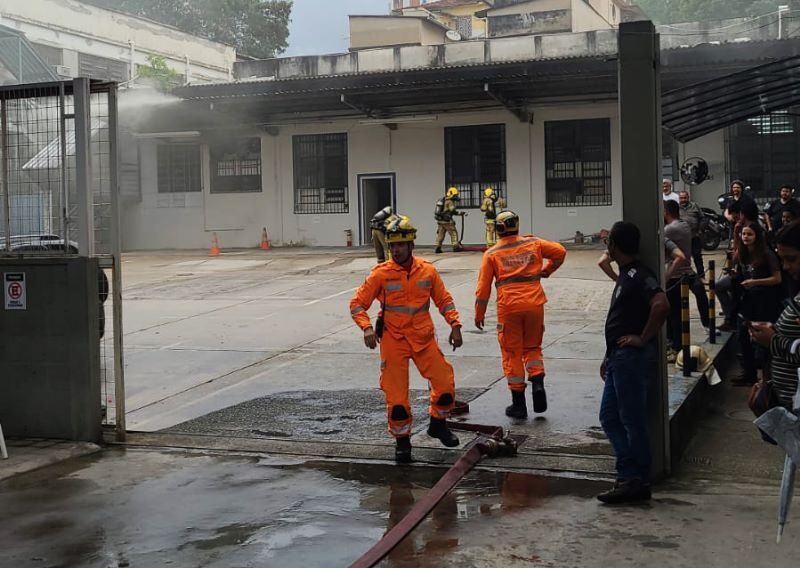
pixel 667 193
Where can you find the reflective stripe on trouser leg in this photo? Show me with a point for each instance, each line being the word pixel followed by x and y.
pixel 435 368
pixel 394 382
pixel 533 332
pixel 509 335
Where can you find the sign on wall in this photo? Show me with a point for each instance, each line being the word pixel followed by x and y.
pixel 14 290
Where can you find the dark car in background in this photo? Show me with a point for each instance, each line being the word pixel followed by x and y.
pixel 38 243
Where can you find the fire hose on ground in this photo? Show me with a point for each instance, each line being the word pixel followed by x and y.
pixel 495 444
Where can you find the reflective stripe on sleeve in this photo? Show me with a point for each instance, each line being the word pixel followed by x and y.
pixel 447 308
pixel 480 302
pixel 356 310
pixel 516 380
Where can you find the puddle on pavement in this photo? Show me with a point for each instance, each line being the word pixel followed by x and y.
pixel 145 508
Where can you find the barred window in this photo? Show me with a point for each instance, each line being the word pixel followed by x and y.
pixel 320 173
pixel 102 68
pixel 475 158
pixel 578 162
pixel 178 168
pixel 236 166
pixel 464 26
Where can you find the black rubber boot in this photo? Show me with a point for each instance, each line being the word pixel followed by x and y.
pixel 538 394
pixel 632 491
pixel 438 429
pixel 518 408
pixel 402 452
pixel 438 250
pixel 458 248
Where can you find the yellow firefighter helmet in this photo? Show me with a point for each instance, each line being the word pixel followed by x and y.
pixel 400 230
pixel 452 193
pixel 488 192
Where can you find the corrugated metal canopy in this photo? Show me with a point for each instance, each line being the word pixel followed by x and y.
pixel 699 109
pixel 515 83
pixel 21 60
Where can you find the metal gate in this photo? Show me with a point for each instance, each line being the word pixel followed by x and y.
pixel 58 189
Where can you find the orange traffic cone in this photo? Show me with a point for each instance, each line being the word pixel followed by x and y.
pixel 264 239
pixel 214 246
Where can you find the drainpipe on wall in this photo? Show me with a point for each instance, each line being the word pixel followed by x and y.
pixel 781 11
pixel 131 61
pixel 187 71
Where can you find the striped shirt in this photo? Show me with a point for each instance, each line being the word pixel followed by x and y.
pixel 784 362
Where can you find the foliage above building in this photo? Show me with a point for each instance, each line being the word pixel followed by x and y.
pixel 254 27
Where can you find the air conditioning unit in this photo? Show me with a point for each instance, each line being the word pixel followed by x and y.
pixel 64 71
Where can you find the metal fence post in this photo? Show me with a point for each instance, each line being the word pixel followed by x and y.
pixel 686 338
pixel 6 186
pixel 116 275
pixel 712 302
pixel 83 167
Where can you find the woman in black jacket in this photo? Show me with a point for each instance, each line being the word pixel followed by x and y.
pixel 782 338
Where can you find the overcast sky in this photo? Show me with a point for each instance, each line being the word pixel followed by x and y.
pixel 320 26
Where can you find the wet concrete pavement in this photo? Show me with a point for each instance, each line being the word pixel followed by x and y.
pixel 255 357
pixel 254 344
pixel 170 508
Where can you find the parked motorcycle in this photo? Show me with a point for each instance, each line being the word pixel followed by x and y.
pixel 714 229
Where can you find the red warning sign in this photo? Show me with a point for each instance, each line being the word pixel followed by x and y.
pixel 14 290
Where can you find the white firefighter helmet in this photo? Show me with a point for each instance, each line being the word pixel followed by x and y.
pixel 704 363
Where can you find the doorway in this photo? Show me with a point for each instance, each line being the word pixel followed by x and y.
pixel 375 191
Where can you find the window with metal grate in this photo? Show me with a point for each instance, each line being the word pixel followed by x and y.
pixel 236 166
pixel 578 163
pixel 475 158
pixel 178 168
pixel 320 173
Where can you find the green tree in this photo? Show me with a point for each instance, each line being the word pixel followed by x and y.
pixel 158 73
pixel 669 11
pixel 254 27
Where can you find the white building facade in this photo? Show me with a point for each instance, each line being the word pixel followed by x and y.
pixel 79 39
pixel 324 142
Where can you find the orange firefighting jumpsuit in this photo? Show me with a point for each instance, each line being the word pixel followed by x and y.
pixel 516 264
pixel 408 334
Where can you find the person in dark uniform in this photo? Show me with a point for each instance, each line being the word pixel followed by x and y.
pixel 639 308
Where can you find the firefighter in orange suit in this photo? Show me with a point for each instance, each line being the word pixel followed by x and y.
pixel 517 264
pixel 405 286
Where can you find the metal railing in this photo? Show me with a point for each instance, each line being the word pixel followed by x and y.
pixel 59 197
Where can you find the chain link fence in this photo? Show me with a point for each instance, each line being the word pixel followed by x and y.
pixel 58 180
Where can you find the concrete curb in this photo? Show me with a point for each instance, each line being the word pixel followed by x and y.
pixel 538 462
pixel 25 456
pixel 686 418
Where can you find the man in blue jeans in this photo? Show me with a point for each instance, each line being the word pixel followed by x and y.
pixel 638 309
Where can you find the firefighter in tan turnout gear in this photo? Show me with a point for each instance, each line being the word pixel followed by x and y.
pixel 445 211
pixel 378 226
pixel 489 208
